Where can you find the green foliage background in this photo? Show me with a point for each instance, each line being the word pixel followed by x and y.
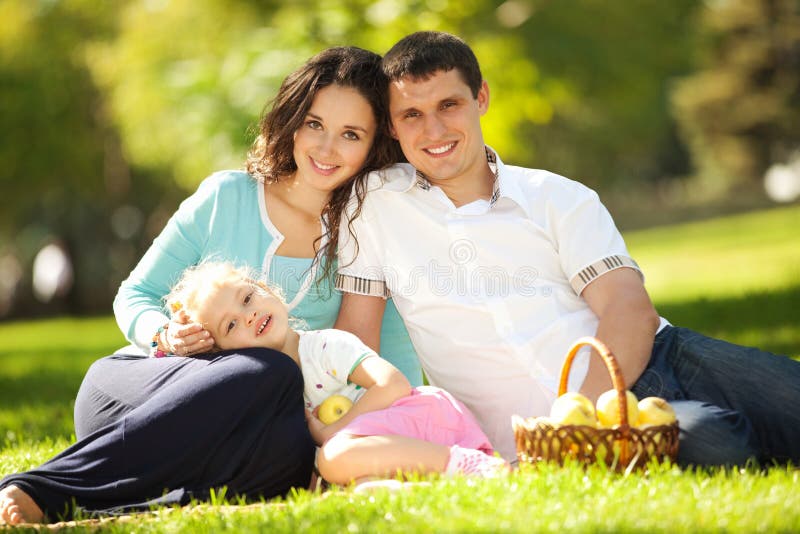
pixel 113 111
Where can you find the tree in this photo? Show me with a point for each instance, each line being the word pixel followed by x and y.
pixel 741 111
pixel 62 169
pixel 605 69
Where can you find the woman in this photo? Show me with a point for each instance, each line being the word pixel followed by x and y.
pixel 165 430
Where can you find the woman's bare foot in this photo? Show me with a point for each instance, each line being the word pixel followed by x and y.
pixel 17 507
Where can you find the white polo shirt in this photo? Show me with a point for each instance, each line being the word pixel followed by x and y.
pixel 489 291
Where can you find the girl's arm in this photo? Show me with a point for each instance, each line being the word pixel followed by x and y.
pixel 384 384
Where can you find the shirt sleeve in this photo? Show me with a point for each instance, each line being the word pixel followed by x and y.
pixel 341 352
pixel 588 240
pixel 138 305
pixel 360 259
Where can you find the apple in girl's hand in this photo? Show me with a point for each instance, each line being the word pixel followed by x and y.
pixel 608 408
pixel 655 411
pixel 573 409
pixel 333 408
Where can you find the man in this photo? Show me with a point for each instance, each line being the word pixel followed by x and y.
pixel 497 270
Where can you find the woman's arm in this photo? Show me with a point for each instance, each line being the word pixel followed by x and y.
pixel 384 384
pixel 138 305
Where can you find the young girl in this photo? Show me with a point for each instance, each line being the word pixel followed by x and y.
pixel 391 426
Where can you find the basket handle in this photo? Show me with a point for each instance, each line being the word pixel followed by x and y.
pixel 611 365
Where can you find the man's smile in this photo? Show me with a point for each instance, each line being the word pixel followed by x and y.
pixel 441 150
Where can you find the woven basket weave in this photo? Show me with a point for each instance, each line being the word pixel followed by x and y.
pixel 622 447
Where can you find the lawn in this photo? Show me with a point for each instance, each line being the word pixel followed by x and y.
pixel 736 277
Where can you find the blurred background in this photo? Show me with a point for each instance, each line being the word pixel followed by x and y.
pixel 113 111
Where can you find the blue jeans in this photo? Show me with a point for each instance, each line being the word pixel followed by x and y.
pixel 733 403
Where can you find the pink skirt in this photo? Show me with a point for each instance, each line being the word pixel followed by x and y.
pixel 428 413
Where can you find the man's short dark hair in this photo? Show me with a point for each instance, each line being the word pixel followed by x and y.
pixel 420 55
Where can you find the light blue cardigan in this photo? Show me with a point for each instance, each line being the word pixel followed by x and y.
pixel 226 219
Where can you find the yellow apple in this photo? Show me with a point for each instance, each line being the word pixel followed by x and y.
pixel 333 408
pixel 573 409
pixel 655 411
pixel 545 421
pixel 608 408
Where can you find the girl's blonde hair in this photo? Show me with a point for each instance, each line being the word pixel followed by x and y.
pixel 200 281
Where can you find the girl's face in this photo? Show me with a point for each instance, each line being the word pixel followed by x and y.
pixel 332 144
pixel 240 315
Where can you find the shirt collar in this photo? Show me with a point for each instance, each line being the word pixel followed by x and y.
pixel 507 185
pixel 403 177
pixel 504 185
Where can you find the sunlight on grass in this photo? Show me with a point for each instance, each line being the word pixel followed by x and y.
pixel 545 499
pixel 29 423
pixel 43 363
pixel 16 459
pixel 728 256
pixel 735 278
pixel 94 335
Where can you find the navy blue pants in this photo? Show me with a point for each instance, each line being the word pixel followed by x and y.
pixel 169 430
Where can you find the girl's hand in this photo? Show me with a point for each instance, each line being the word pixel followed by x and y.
pixel 185 338
pixel 319 430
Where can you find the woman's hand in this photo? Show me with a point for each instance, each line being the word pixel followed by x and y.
pixel 186 338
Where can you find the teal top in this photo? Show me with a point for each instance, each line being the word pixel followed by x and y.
pixel 226 219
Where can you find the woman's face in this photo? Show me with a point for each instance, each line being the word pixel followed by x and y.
pixel 333 142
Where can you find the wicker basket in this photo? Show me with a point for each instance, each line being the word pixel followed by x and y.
pixel 622 447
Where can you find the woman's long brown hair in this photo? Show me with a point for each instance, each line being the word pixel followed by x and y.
pixel 271 157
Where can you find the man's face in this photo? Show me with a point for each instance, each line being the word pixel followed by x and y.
pixel 437 122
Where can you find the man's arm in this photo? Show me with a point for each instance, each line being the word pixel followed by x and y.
pixel 362 315
pixel 628 324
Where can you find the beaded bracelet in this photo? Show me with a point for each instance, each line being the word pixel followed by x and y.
pixel 155 351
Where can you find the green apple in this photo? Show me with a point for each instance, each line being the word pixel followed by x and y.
pixel 655 411
pixel 608 409
pixel 573 409
pixel 333 408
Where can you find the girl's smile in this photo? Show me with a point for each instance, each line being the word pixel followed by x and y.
pixel 264 325
pixel 240 313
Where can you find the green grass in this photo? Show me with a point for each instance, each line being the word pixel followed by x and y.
pixel 737 278
pixel 721 258
pixel 42 365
